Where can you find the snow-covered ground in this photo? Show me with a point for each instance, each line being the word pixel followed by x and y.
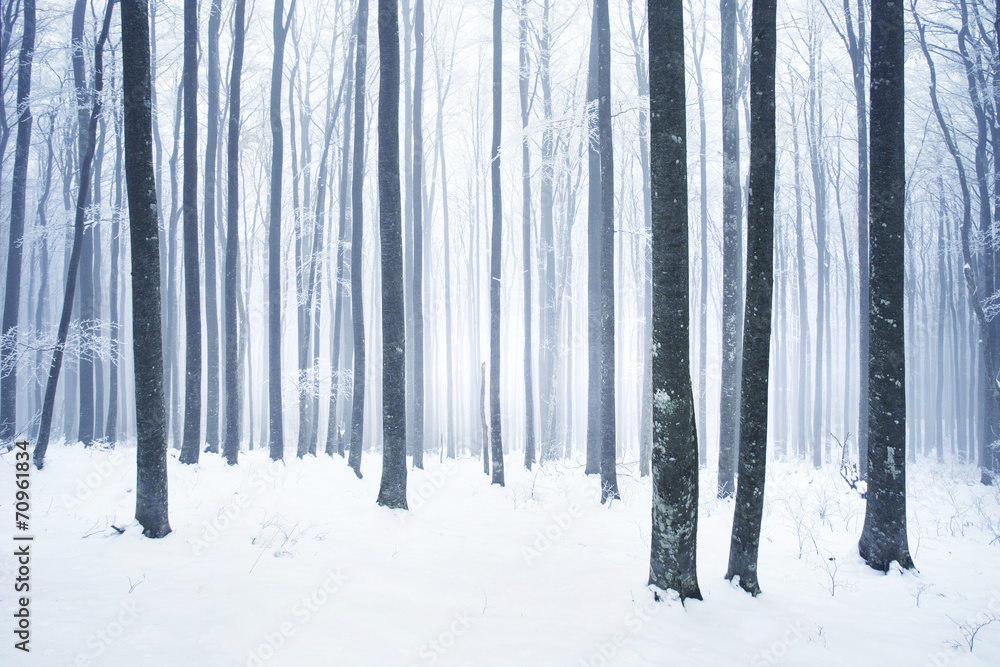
pixel 294 564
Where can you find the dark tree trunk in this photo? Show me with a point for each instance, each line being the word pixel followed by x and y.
pixel 609 477
pixel 594 327
pixel 150 414
pixel 392 491
pixel 234 403
pixel 732 234
pixel 418 242
pixel 760 284
pixel 211 291
pixel 673 542
pixel 83 196
pixel 98 278
pixel 883 538
pixel 276 439
pixel 192 282
pixel 529 384
pixel 12 293
pixel 357 237
pixel 495 249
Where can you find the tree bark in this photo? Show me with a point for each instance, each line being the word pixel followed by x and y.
pixel 357 237
pixel 883 538
pixel 234 402
pixel 496 249
pixel 151 424
pixel 757 320
pixel 418 245
pixel 192 281
pixel 276 436
pixel 529 383
pixel 392 491
pixel 673 542
pixel 12 293
pixel 211 272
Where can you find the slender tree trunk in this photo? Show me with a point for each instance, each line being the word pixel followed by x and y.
pixel 760 284
pixel 276 439
pixel 418 244
pixel 673 542
pixel 192 281
pixel 609 477
pixel 392 491
pixel 732 238
pixel 883 538
pixel 12 293
pixel 234 403
pixel 529 383
pixel 357 237
pixel 594 324
pixel 111 428
pixel 496 249
pixel 211 272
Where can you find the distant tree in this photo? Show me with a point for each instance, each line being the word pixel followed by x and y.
pixel 192 282
pixel 757 318
pixel 392 491
pixel 883 538
pixel 496 248
pixel 357 238
pixel 673 542
pixel 211 193
pixel 529 384
pixel 280 32
pixel 150 411
pixel 12 294
pixel 234 403
pixel 609 476
pixel 594 326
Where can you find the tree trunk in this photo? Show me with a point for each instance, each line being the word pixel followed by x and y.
pixel 609 477
pixel 111 428
pixel 276 439
pixel 392 491
pixel 192 281
pixel 151 457
pixel 594 326
pixel 12 293
pixel 234 403
pixel 883 538
pixel 496 249
pixel 673 542
pixel 211 272
pixel 760 283
pixel 357 237
pixel 529 384
pixel 732 236
pixel 418 244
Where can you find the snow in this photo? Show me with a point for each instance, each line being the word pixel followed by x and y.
pixel 294 564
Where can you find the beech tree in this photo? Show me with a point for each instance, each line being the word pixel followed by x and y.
pixel 883 539
pixel 12 294
pixel 392 491
pixel 757 317
pixel 495 249
pixel 673 542
pixel 150 410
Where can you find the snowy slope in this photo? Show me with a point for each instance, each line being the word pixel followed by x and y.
pixel 294 564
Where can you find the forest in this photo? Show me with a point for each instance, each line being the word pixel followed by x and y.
pixel 500 332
